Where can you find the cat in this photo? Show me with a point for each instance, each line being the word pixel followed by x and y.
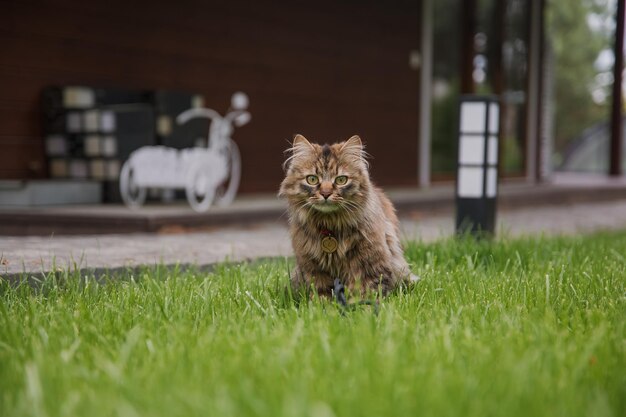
pixel 341 225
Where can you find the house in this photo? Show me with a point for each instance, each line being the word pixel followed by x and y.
pixel 389 71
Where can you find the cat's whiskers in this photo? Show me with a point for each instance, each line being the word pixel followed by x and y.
pixel 297 203
pixel 349 209
pixel 351 206
pixel 350 203
pixel 309 206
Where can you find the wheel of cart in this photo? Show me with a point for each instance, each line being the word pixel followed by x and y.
pixel 198 188
pixel 132 194
pixel 226 191
pixel 219 140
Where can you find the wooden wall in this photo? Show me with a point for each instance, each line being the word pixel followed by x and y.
pixel 326 69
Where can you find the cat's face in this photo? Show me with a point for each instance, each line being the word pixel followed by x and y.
pixel 328 178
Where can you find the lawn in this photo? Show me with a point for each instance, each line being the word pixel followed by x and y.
pixel 530 327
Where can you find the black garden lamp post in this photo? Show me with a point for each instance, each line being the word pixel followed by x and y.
pixel 477 165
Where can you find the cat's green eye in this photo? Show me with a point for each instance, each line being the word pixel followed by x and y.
pixel 341 180
pixel 312 179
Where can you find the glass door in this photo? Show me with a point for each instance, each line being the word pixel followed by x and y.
pixel 481 47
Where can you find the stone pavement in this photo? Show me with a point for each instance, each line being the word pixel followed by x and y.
pixel 35 255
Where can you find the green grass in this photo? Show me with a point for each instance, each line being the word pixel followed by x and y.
pixel 533 327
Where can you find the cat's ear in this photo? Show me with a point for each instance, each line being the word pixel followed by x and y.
pixel 355 150
pixel 354 144
pixel 299 147
pixel 301 141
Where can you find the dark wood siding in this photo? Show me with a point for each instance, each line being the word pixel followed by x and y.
pixel 326 69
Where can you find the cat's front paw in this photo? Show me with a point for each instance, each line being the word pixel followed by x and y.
pixel 414 278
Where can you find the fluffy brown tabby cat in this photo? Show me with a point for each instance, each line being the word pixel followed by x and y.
pixel 341 225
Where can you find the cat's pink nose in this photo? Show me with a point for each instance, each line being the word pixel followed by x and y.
pixel 326 189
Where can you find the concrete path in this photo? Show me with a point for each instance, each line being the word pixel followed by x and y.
pixel 39 254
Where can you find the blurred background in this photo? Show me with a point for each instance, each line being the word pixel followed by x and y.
pixel 390 71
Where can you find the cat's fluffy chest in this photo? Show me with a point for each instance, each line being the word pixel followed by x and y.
pixel 354 246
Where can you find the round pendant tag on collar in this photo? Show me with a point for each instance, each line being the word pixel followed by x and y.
pixel 329 244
